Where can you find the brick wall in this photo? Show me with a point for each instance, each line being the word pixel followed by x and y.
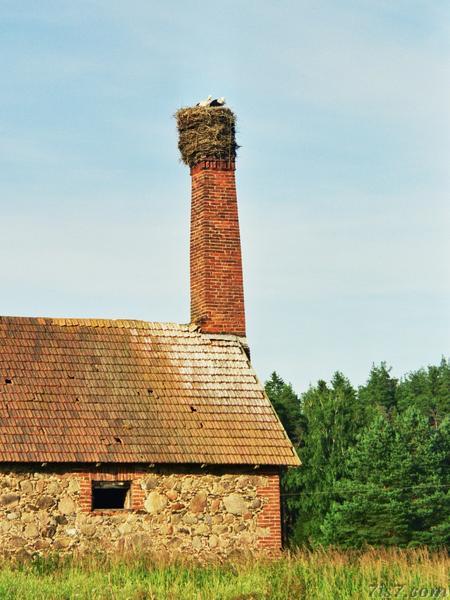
pixel 217 293
pixel 270 516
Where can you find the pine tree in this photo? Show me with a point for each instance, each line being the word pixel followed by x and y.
pixel 375 463
pixel 396 489
pixel 333 419
pixel 428 390
pixel 380 391
pixel 287 405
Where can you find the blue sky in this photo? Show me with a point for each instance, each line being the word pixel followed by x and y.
pixel 342 175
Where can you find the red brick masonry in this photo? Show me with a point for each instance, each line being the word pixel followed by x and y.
pixel 270 517
pixel 217 291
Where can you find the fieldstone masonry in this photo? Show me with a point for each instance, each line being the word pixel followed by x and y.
pixel 215 512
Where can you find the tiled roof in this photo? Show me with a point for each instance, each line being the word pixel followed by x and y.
pixel 130 391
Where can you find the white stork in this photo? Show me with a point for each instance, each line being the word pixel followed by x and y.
pixel 206 102
pixel 217 102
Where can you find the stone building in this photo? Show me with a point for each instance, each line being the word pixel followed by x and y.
pixel 124 435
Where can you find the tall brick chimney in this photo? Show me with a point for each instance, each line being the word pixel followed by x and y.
pixel 217 291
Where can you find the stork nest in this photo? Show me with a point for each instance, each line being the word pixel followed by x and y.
pixel 206 133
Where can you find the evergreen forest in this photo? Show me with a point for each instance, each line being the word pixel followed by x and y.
pixel 375 459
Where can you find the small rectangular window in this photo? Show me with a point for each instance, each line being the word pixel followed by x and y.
pixel 110 495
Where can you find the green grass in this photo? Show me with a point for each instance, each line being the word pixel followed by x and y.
pixel 317 575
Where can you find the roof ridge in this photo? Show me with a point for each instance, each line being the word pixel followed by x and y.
pixel 94 322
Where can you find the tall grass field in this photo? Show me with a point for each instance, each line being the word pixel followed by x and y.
pixel 321 575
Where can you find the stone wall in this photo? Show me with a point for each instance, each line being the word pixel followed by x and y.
pixel 203 512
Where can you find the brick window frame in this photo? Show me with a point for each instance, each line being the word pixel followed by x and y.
pixel 120 489
pixel 133 477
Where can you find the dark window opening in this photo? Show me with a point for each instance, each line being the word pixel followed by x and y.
pixel 110 494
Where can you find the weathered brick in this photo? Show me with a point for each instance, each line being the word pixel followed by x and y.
pixel 217 291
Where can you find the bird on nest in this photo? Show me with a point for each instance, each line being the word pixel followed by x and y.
pixel 210 102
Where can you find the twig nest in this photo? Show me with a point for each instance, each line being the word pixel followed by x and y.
pixel 206 133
